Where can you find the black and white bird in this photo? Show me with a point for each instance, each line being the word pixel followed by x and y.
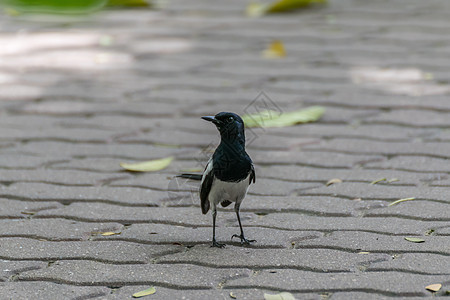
pixel 228 173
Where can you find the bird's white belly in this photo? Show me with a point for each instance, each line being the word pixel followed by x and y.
pixel 231 191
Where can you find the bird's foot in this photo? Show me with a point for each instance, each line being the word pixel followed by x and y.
pixel 216 244
pixel 243 239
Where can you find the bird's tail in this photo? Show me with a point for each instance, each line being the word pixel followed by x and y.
pixel 191 176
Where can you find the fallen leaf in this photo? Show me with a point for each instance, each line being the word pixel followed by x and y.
pixel 378 180
pixel 266 119
pixel 414 240
pixel 434 287
pixel 275 50
pixel 333 181
pixel 232 295
pixel 148 166
pixel 393 180
pixel 401 200
pixel 363 252
pixel 110 233
pixel 143 293
pixel 259 9
pixel 28 212
pixel 280 296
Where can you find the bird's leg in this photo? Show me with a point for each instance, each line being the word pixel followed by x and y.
pixel 214 243
pixel 243 239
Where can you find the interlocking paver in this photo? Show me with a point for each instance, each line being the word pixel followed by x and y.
pixel 130 86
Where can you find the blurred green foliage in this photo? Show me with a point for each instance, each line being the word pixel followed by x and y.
pixel 66 6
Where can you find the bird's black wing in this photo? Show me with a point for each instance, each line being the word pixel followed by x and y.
pixel 252 176
pixel 205 188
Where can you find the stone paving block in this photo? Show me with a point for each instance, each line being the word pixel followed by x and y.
pixel 267 238
pixel 317 260
pixel 431 149
pixel 380 283
pixel 65 230
pixel 121 151
pixel 63 177
pixel 425 263
pixel 412 117
pixel 317 159
pixel 188 294
pixel 96 273
pixel 68 194
pixel 422 210
pixel 372 242
pixel 23 209
pixel 103 251
pixel 27 162
pixel 382 225
pixel 356 174
pixel 10 268
pixel 50 290
pixel 411 163
pixel 380 192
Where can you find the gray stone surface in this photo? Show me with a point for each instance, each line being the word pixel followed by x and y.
pixel 78 97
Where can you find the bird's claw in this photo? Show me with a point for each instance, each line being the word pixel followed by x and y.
pixel 243 239
pixel 218 245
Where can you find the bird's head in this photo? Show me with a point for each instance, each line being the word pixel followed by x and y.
pixel 230 125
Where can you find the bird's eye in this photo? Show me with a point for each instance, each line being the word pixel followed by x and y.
pixel 230 119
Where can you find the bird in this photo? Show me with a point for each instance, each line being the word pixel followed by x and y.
pixel 228 173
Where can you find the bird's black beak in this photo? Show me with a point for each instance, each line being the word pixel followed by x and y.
pixel 211 119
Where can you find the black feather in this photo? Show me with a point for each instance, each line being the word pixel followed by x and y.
pixel 191 176
pixel 225 203
pixel 205 189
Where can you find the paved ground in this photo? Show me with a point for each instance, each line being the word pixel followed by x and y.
pixel 78 98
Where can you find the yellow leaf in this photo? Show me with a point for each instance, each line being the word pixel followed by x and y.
pixel 333 181
pixel 414 240
pixel 363 252
pixel 434 287
pixel 275 50
pixel 256 9
pixel 232 295
pixel 259 9
pixel 110 233
pixel 288 5
pixel 268 118
pixel 143 293
pixel 401 200
pixel 148 166
pixel 378 180
pixel 280 296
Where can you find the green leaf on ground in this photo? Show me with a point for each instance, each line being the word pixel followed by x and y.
pixel 434 287
pixel 414 240
pixel 148 166
pixel 280 296
pixel 275 50
pixel 143 293
pixel 259 9
pixel 378 180
pixel 401 200
pixel 267 118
